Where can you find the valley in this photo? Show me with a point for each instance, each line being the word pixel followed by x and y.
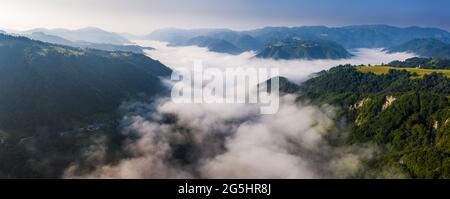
pixel 100 107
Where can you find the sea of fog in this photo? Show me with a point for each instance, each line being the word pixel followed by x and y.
pixel 235 140
pixel 295 70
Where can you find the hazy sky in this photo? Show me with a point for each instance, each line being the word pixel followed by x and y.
pixel 143 16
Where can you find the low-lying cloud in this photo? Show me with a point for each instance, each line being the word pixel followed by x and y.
pixel 241 143
pixel 295 70
pixel 169 140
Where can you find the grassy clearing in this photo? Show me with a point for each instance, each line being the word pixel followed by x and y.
pixel 385 69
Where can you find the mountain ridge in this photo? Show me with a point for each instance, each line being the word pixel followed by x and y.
pixel 425 47
pixel 88 34
pixel 357 36
pixel 63 70
pixel 304 49
pixel 40 36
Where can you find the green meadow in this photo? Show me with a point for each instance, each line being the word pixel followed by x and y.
pixel 385 69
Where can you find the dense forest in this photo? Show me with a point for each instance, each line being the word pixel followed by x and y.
pixel 56 101
pixel 429 63
pixel 409 118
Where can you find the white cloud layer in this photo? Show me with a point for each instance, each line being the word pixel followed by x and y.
pixel 234 140
pixel 295 70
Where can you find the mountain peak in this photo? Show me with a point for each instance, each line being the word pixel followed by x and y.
pixel 425 47
pixel 297 48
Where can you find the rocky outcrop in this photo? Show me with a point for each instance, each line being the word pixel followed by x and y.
pixel 359 104
pixel 389 100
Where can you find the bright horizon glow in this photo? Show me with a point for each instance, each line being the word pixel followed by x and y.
pixel 144 16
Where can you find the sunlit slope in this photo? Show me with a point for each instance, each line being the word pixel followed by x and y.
pixel 385 69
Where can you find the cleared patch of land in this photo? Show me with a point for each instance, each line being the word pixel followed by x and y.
pixel 385 69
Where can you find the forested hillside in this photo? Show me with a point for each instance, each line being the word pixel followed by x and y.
pixel 409 118
pixel 57 100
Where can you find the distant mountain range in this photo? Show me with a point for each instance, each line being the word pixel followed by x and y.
pixel 92 38
pixel 174 35
pixel 363 36
pixel 223 42
pixel 213 44
pixel 83 44
pixel 425 47
pixel 304 49
pixel 235 42
pixel 93 35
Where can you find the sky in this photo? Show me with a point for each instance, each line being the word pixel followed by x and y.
pixel 144 16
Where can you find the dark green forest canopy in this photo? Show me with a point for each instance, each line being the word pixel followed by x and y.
pixel 46 84
pixel 429 63
pixel 409 118
pixel 57 102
